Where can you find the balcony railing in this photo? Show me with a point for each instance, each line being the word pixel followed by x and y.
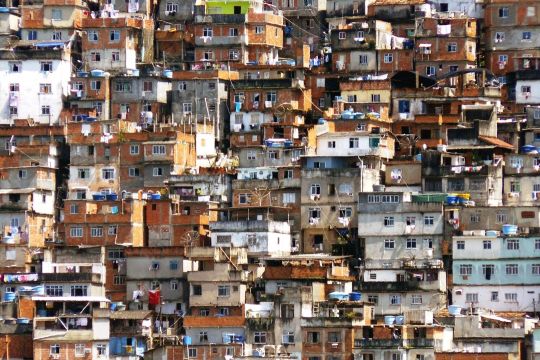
pixel 71 277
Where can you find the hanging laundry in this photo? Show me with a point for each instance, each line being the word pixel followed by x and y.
pixel 444 29
pixel 133 6
pixel 153 297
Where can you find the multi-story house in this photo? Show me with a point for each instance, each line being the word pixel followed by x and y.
pixel 49 20
pixel 89 96
pixel 298 286
pixel 116 44
pixel 495 272
pixel 369 97
pixel 445 44
pixel 260 237
pixel 153 268
pixel 530 130
pixel 240 33
pixel 139 98
pixel 521 181
pixel 328 195
pixel 401 240
pixel 130 332
pixel 67 327
pixel 200 97
pixel 35 83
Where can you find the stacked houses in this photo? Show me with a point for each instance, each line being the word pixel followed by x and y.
pixel 295 179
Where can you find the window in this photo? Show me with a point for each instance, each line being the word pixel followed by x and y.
pixel 331 144
pixel 196 290
pixel 271 96
pixel 112 230
pixel 374 299
pixel 56 14
pixel 95 56
pixel 259 337
pixel 203 336
pixel 354 143
pixel 501 218
pixel 313 337
pixel 54 290
pixel 375 98
pixel 102 349
pixel 411 244
pixel 119 279
pixel 535 269
pixel 186 108
pixel 158 150
pixel 76 231
pixel 363 59
pixel 157 171
pixel 526 36
pixel 134 172
pixel 79 350
pixel 32 35
pixel 512 269
pixel 488 270
pixel 494 296
pixel 114 35
pixel 115 56
pixel 173 265
pixel 503 12
pixel 54 349
pixel 289 198
pixel 57 35
pixel 234 54
pixel 428 243
pixel 79 290
pixel 465 269
pixel 93 35
pixel 388 221
pixel 259 29
pixel 334 337
pixel 80 194
pixel 429 220
pixel 192 353
pixel 410 221
pixel 475 217
pixel 512 244
pixel 471 297
pixel 510 297
pixel 224 290
pixel 345 212
pixel 134 149
pixel 416 300
pixel 430 70
pixel 486 244
pixel 45 110
pixel 531 11
pixel 74 209
pixel 96 231
pixel 15 66
pixel 107 174
pixel 537 244
pixel 244 198
pixel 288 337
pixel 122 86
pixel 314 213
pixel 14 87
pixel 452 47
pixel 95 85
pixel 388 58
pixel 171 8
pixel 395 299
pixel 315 189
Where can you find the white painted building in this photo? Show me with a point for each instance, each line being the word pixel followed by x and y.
pixel 528 91
pixel 355 143
pixel 260 237
pixel 34 82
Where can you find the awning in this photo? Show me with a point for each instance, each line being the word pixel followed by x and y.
pixel 495 317
pixel 49 44
pixel 496 141
pixel 424 45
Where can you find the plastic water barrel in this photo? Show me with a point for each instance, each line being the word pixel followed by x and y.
pixel 454 310
pixel 355 296
pixel 42 313
pixel 389 320
pixel 155 196
pixel 509 229
pixel 167 73
pixel 112 196
pixel 8 297
pixel 98 197
pixel 187 340
pixel 400 319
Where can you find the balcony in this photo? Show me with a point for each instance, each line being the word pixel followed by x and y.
pixel 268 84
pixel 221 40
pixel 71 277
pixel 436 119
pixel 273 184
pixel 220 19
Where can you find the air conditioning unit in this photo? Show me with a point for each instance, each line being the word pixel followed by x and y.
pixel 87 351
pixel 55 356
